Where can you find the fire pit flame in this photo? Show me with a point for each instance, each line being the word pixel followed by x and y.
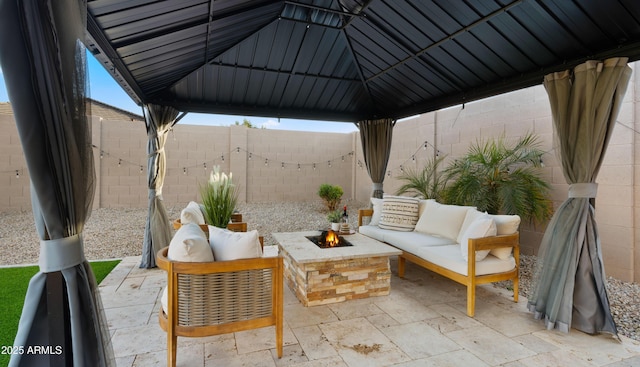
pixel 329 239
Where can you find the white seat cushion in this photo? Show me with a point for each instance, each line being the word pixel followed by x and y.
pixel 412 241
pixel 442 220
pixel 374 232
pixel 228 245
pixel 450 257
pixel 399 213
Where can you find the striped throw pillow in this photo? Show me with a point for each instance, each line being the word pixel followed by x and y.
pixel 399 213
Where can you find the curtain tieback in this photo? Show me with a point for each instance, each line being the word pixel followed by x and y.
pixel 583 190
pixel 155 193
pixel 61 253
pixel 377 186
pixel 155 152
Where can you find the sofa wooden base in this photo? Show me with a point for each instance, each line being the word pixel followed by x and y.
pixel 469 281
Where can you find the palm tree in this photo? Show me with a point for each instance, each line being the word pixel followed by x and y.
pixel 501 179
pixel 425 183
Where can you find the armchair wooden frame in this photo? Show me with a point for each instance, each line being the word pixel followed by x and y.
pixel 221 297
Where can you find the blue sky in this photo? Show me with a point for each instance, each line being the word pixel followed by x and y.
pixel 105 89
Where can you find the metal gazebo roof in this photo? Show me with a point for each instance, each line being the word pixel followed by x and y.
pixel 348 59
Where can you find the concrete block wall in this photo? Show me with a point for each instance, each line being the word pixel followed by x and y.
pixel 14 177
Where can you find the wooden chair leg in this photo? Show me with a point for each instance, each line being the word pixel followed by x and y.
pixel 471 300
pixel 279 308
pixel 172 346
pixel 516 283
pixel 401 265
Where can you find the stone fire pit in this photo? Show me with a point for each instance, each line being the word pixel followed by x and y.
pixel 320 276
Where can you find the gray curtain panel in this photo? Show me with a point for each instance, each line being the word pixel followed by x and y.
pixel 570 289
pixel 44 65
pixel 376 138
pixel 157 231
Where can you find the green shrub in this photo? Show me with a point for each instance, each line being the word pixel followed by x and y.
pixel 501 178
pixel 331 194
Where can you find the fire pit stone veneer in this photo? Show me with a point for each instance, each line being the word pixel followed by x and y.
pixel 321 276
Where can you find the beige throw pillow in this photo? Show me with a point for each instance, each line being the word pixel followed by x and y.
pixel 399 213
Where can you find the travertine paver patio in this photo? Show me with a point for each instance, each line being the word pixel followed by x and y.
pixel 421 323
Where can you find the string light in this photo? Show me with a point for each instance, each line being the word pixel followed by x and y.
pixel 17 173
pixel 250 156
pixel 141 170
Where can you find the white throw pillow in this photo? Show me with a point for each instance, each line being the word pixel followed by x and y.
pixel 377 211
pixel 506 224
pixel 399 213
pixel 189 244
pixel 481 227
pixel 228 245
pixel 442 220
pixel 192 214
pixel 470 217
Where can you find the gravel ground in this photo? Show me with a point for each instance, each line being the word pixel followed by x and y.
pixel 117 233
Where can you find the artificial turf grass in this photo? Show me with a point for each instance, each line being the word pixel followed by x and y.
pixel 13 288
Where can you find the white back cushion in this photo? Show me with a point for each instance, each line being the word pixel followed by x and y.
pixel 228 245
pixel 192 214
pixel 481 227
pixel 399 213
pixel 442 220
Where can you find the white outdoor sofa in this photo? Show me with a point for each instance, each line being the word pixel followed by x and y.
pixel 442 237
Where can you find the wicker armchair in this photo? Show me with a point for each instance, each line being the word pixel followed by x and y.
pixel 221 297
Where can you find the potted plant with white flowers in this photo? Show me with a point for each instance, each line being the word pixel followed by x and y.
pixel 219 197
